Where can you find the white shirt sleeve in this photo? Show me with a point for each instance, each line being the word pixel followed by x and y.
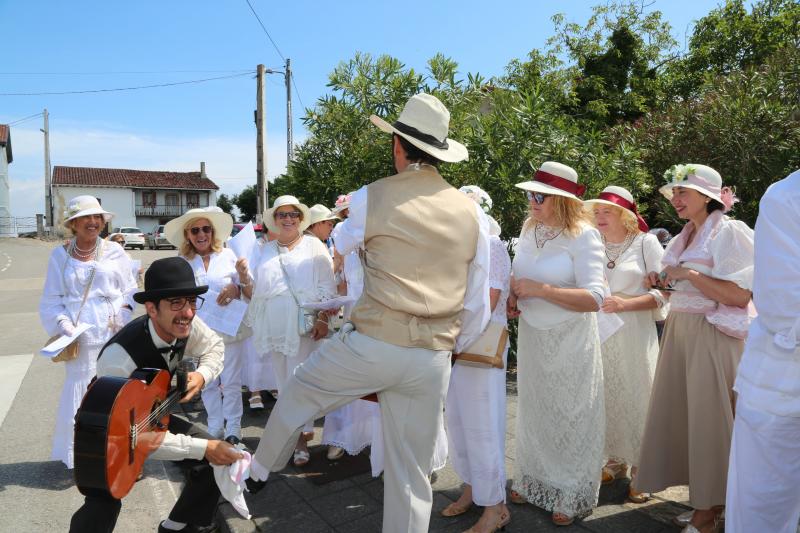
pixel 323 272
pixel 587 253
pixel 733 251
pixel 207 348
pixel 51 307
pixel 477 311
pixel 653 252
pixel 349 234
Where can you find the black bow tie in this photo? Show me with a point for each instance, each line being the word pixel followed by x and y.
pixel 171 350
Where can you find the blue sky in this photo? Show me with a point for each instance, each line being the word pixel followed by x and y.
pixel 52 45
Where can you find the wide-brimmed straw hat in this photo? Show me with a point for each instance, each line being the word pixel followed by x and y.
pixel 425 123
pixel 280 201
pixel 342 203
pixel 85 205
pixel 167 278
pixel 320 213
pixel 620 197
pixel 701 178
pixel 555 178
pixel 221 221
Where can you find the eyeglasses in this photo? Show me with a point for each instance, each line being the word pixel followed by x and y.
pixel 204 229
pixel 195 302
pixel 288 214
pixel 537 197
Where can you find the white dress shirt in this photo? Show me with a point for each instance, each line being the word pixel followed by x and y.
pixel 348 236
pixel 769 373
pixel 205 346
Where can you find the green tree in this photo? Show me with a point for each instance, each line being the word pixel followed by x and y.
pixel 224 202
pixel 247 203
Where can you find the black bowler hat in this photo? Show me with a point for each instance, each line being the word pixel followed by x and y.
pixel 167 278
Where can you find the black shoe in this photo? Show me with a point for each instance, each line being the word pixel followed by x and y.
pixel 254 486
pixel 190 528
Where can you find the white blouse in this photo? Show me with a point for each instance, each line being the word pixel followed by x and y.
pixel 499 277
pixel 642 256
pixel 221 270
pixel 273 312
pixel 113 286
pixel 565 261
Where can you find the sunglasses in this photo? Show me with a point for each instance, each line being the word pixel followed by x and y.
pixel 537 197
pixel 287 214
pixel 204 229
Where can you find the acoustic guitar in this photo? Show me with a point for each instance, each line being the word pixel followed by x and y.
pixel 119 423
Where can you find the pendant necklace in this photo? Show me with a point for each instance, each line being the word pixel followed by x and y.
pixel 615 250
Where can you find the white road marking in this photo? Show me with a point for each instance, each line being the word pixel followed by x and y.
pixel 14 369
pixel 8 262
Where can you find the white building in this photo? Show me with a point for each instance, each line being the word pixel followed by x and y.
pixel 6 224
pixel 140 198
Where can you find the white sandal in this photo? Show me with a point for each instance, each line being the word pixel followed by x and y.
pixel 301 457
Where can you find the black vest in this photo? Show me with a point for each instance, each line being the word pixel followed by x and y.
pixel 135 339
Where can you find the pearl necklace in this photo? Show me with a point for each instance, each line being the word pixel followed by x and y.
pixel 80 253
pixel 288 244
pixel 615 250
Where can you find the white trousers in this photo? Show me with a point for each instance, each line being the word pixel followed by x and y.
pixel 223 396
pixel 284 368
pixel 411 384
pixel 763 473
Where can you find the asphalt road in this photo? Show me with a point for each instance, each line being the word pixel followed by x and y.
pixel 37 494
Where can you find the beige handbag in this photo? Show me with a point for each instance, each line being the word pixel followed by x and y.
pixel 71 351
pixel 487 351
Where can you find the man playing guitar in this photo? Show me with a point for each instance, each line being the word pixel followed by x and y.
pixel 159 340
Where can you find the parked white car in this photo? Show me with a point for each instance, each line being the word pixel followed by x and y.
pixel 134 237
pixel 158 238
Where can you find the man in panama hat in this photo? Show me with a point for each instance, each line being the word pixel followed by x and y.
pixel 159 339
pixel 425 251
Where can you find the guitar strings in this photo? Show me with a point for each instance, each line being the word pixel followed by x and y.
pixel 157 413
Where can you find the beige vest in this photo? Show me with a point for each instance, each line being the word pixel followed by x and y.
pixel 419 240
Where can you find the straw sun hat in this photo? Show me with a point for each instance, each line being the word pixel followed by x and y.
pixel 556 179
pixel 280 201
pixel 620 197
pixel 82 206
pixel 221 221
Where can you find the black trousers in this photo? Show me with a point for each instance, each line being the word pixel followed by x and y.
pixel 196 504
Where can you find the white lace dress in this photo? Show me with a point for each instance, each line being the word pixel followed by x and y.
pixel 560 414
pixel 112 287
pixel 476 406
pixel 630 355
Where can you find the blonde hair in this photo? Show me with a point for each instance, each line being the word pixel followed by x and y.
pixel 568 213
pixel 628 219
pixel 187 248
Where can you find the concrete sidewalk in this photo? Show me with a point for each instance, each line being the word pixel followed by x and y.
pixel 291 502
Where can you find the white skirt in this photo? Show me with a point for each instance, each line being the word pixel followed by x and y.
pixel 352 427
pixel 560 415
pixel 438 461
pixel 629 365
pixel 79 372
pixel 257 371
pixel 476 429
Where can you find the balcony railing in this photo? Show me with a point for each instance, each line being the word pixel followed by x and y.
pixel 163 210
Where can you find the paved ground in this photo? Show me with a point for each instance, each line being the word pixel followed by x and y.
pixel 38 495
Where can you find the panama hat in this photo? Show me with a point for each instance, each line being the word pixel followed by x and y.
pixel 85 205
pixel 425 123
pixel 167 278
pixel 701 178
pixel 620 197
pixel 221 221
pixel 555 178
pixel 320 213
pixel 280 201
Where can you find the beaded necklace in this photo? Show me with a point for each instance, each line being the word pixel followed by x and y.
pixel 615 250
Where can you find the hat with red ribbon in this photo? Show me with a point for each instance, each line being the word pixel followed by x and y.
pixel 620 197
pixel 556 179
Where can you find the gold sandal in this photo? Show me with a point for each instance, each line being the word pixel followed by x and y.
pixel 560 519
pixel 503 520
pixel 455 510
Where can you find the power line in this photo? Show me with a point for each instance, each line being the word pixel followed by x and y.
pixel 128 88
pixel 116 72
pixel 21 120
pixel 297 93
pixel 265 30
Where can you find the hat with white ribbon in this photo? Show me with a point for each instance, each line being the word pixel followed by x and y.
pixel 85 205
pixel 280 201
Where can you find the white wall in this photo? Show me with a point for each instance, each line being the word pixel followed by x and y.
pixel 117 200
pixel 5 198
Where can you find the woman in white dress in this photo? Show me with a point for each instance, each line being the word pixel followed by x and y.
pixel 86 263
pixel 476 406
pixel 557 286
pixel 631 353
pixel 198 234
pixel 292 269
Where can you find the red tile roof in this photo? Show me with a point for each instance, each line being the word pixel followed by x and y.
pixel 120 177
pixel 5 140
pixel 3 133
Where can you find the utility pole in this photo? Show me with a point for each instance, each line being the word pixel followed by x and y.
pixel 261 155
pixel 48 181
pixel 289 143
